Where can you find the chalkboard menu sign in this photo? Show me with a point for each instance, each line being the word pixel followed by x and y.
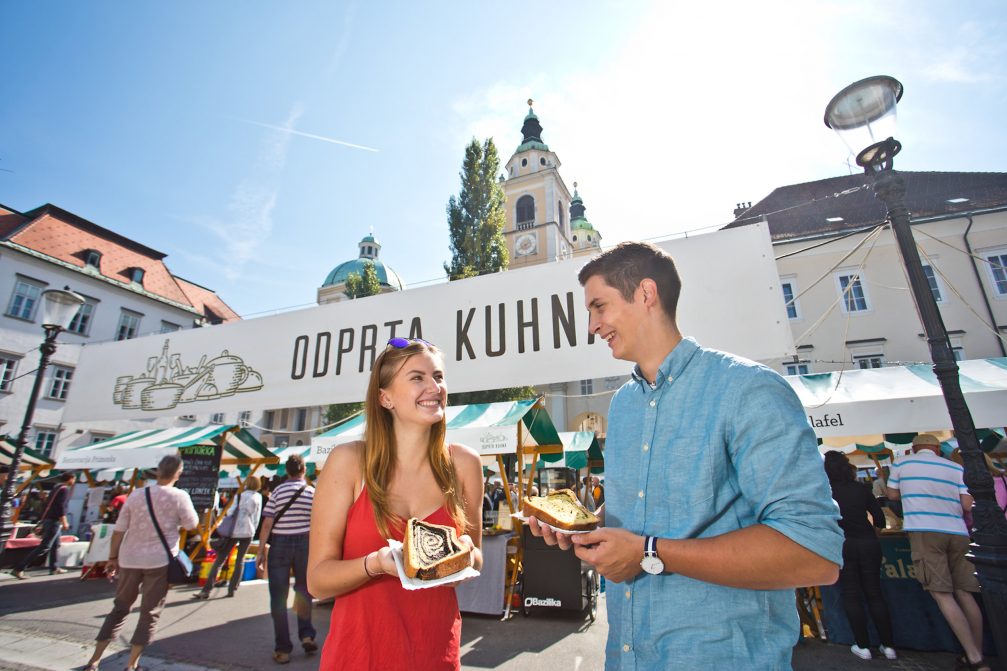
pixel 200 471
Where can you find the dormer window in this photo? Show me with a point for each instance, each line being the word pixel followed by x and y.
pixel 92 258
pixel 136 276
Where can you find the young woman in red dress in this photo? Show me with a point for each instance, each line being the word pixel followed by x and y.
pixel 367 490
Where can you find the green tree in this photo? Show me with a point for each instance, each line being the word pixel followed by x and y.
pixel 476 217
pixel 361 285
pixel 476 221
pixel 340 411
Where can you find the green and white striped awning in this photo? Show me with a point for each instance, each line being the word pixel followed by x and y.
pixel 489 428
pixel 899 398
pixel 580 448
pixel 143 449
pixel 30 459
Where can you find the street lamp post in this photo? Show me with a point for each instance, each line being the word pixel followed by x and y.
pixel 863 114
pixel 58 308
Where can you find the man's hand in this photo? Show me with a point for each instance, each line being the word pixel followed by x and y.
pixel 111 568
pixel 260 558
pixel 545 532
pixel 615 553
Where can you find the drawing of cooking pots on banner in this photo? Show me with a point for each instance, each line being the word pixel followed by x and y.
pixel 221 376
pixel 162 396
pixel 132 390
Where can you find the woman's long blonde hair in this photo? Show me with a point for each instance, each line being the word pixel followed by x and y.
pixel 380 447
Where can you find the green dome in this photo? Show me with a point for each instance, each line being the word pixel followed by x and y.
pixel 369 249
pixel 386 276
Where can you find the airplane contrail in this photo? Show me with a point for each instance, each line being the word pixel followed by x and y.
pixel 309 135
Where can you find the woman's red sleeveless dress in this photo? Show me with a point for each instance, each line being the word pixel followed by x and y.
pixel 382 626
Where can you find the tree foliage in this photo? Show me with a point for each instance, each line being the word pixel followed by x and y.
pixel 476 217
pixel 361 285
pixel 492 395
pixel 340 411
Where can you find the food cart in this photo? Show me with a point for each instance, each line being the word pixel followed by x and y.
pixel 517 431
pixel 872 416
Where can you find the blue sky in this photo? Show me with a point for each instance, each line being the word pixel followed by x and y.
pixel 170 122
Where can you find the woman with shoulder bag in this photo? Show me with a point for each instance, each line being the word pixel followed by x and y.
pixel 244 516
pixel 138 556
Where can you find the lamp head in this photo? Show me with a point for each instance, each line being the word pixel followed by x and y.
pixel 864 116
pixel 59 307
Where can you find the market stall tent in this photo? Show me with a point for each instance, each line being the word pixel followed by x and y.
pixel 899 398
pixel 581 449
pixel 32 464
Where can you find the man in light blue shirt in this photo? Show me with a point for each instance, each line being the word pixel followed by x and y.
pixel 717 504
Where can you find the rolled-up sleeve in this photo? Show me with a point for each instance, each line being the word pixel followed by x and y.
pixel 187 516
pixel 780 472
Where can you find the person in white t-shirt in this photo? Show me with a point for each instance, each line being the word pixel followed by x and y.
pixel 139 559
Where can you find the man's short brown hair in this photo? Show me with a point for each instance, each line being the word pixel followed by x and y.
pixel 626 265
pixel 295 465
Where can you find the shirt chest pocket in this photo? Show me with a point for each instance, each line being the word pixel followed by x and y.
pixel 683 470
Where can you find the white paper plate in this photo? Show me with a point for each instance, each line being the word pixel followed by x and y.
pixel 416 583
pixel 568 532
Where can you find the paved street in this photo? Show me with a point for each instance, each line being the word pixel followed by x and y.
pixel 48 622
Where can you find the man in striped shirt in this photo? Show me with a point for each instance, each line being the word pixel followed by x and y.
pixel 287 516
pixel 934 497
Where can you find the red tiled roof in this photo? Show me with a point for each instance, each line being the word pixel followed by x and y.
pixel 65 236
pixel 207 302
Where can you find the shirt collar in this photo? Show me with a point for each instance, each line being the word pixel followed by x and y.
pixel 673 365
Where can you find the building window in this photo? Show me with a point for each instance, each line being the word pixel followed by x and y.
pixel 61 377
pixel 586 387
pixel 524 163
pixel 301 419
pixel 559 208
pixel 187 418
pixel 24 300
pixel 525 209
pixel 136 276
pixel 245 418
pixel 541 160
pixel 267 419
pixel 789 292
pixel 998 270
pixel 129 325
pixel 797 368
pixel 217 418
pixel 865 361
pixel 169 327
pixel 852 291
pixel 92 258
pixel 101 437
pixel 282 421
pixel 935 288
pixel 45 441
pixel 81 322
pixel 8 369
pixel 281 441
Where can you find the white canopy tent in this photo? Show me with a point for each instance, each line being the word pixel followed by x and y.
pixel 899 399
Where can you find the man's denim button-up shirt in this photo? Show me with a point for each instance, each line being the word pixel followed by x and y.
pixel 717 444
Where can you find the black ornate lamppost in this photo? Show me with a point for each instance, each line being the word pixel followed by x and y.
pixel 863 115
pixel 58 309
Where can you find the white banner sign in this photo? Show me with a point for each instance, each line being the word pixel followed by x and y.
pixel 522 327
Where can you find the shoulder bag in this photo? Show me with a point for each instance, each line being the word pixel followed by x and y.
pixel 284 509
pixel 226 527
pixel 179 566
pixel 38 529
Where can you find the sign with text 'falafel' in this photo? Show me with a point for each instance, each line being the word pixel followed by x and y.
pixel 520 327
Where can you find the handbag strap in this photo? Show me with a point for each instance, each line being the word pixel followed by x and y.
pixel 286 506
pixel 48 505
pixel 1004 480
pixel 153 517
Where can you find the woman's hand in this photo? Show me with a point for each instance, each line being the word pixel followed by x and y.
pixel 384 561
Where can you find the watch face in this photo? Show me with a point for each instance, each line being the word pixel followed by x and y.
pixel 652 565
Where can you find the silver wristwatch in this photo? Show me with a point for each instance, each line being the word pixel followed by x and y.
pixel 651 563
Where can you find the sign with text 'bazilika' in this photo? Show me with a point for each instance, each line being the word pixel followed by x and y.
pixel 523 327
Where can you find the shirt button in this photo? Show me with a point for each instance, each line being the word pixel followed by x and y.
pixel 628 594
pixel 671 379
pixel 626 647
pixel 640 494
pixel 646 446
pixel 653 403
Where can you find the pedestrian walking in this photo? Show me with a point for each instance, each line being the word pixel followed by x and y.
pixel 137 557
pixel 53 523
pixel 244 520
pixel 286 522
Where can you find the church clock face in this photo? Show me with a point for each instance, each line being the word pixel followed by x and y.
pixel 526 244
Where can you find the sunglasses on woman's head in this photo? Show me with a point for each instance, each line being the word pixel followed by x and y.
pixel 402 343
